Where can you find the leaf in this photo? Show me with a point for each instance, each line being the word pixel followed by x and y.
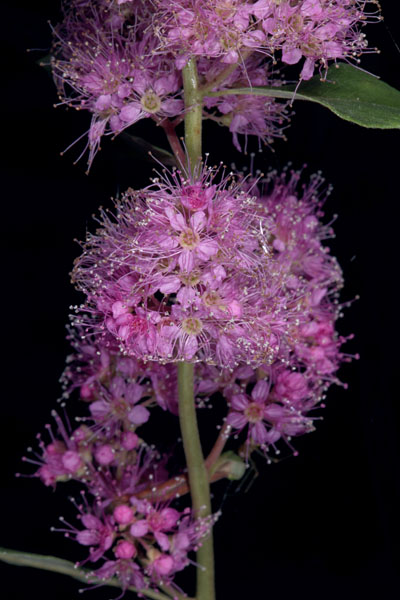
pixel 348 92
pixel 148 151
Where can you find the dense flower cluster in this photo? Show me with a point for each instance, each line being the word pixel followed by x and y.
pixel 122 61
pixel 229 273
pixel 216 273
pixel 106 59
pixel 112 71
pixel 316 30
pixel 274 401
pixel 189 271
pixel 247 115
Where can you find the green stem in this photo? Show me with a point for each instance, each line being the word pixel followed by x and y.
pixel 193 114
pixel 198 478
pixel 219 79
pixel 59 565
pixel 196 468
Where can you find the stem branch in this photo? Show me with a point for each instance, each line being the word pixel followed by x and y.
pixel 218 446
pixel 224 74
pixel 174 142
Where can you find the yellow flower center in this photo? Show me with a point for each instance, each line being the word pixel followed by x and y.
pixel 254 412
pixel 191 278
pixel 192 326
pixel 150 102
pixel 211 298
pixel 189 239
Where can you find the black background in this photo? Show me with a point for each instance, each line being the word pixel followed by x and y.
pixel 324 524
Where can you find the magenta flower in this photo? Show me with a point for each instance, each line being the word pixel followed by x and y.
pixel 318 30
pixel 266 420
pixel 171 281
pixel 110 69
pixel 246 115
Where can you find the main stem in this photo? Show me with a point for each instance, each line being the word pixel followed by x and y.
pixel 196 468
pixel 193 114
pixel 198 478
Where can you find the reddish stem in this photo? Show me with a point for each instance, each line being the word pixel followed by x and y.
pixel 173 488
pixel 174 142
pixel 178 486
pixel 218 446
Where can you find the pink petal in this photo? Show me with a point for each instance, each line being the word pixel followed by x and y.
pixel 207 249
pixel 198 220
pixel 139 528
pixel 91 522
pixel 239 402
pixel 186 260
pixel 185 296
pixel 139 415
pixel 170 284
pixel 130 113
pixel 237 420
pixel 162 540
pixel 308 69
pixel 260 391
pixel 172 107
pixel 133 392
pixel 190 347
pixel 103 102
pixel 259 433
pixel 176 219
pixel 99 409
pixel 291 56
pixel 87 538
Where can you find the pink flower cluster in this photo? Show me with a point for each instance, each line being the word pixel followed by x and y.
pixel 142 544
pixel 139 538
pixel 108 67
pixel 316 30
pixel 231 274
pixel 245 115
pixel 122 62
pixel 274 401
pixel 120 390
pixel 187 271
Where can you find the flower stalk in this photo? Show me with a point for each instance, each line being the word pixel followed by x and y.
pixel 198 477
pixel 193 115
pixel 196 467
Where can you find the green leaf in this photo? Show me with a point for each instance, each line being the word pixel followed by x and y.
pixel 350 93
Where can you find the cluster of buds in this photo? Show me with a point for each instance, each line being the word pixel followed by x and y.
pixel 127 526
